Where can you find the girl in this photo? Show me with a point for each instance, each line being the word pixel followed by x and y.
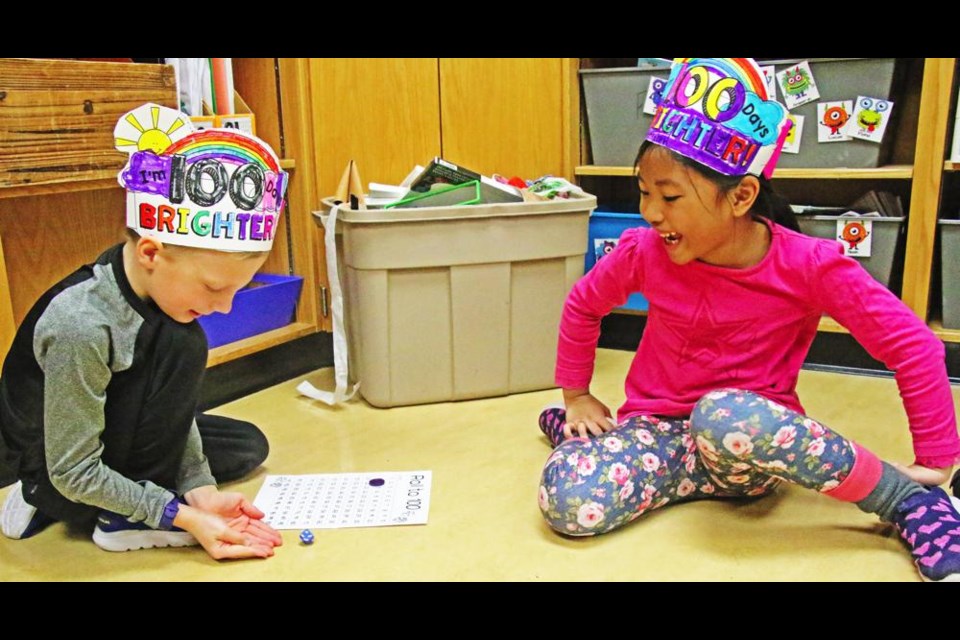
pixel 736 294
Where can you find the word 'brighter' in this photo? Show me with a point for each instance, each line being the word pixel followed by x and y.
pixel 233 225
pixel 725 145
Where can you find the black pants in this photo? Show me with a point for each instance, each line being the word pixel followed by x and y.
pixel 148 414
pixel 234 448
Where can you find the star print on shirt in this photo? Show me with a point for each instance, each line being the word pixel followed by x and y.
pixel 713 345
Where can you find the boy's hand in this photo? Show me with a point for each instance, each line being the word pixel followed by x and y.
pixel 237 514
pixel 585 414
pixel 222 538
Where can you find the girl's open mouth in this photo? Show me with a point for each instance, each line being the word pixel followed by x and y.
pixel 671 238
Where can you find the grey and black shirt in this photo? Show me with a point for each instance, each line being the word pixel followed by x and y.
pixel 98 396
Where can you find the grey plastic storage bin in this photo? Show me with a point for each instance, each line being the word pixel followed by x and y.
pixel 842 79
pixel 461 302
pixel 950 272
pixel 616 123
pixel 886 234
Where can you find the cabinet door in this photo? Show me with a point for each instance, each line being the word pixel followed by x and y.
pixel 506 115
pixel 381 112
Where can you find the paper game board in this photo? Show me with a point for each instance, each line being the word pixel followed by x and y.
pixel 342 500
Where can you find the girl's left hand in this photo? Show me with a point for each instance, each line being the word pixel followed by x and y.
pixel 932 477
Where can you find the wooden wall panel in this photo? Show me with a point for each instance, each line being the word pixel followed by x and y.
pixel 382 112
pixel 47 237
pixel 8 326
pixel 506 115
pixel 255 80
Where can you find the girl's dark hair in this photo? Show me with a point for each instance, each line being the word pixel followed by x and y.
pixel 769 204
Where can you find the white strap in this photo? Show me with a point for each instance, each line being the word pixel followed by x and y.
pixel 340 354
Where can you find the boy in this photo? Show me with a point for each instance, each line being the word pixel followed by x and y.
pixel 99 392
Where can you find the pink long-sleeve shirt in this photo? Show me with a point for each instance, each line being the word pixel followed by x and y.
pixel 711 327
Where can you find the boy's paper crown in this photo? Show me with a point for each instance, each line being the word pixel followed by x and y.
pixel 717 111
pixel 216 189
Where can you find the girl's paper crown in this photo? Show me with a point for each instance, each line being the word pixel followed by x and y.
pixel 717 111
pixel 219 189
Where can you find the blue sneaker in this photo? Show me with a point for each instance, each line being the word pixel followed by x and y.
pixel 20 519
pixel 115 533
pixel 930 525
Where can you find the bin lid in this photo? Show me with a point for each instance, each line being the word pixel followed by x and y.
pixel 573 204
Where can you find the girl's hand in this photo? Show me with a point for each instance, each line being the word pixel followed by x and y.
pixel 585 415
pixel 932 477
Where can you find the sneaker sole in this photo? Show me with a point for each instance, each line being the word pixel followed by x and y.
pixel 16 514
pixel 133 540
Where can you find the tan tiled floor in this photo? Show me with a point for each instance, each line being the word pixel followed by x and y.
pixel 484 524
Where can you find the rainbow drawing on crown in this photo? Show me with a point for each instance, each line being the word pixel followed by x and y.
pixel 717 111
pixel 217 189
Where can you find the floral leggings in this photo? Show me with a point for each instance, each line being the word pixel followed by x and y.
pixel 734 444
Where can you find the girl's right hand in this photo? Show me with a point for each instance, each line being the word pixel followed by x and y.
pixel 585 415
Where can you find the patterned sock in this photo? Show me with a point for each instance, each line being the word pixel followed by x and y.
pixel 890 492
pixel 552 420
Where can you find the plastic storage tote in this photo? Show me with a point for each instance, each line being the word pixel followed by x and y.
pixel 886 236
pixel 268 302
pixel 616 124
pixel 606 228
pixel 950 272
pixel 453 303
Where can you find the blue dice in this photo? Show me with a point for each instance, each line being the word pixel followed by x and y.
pixel 306 536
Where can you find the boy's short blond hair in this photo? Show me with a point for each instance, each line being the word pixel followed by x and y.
pixel 133 236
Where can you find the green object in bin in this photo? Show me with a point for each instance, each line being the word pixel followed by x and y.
pixel 453 195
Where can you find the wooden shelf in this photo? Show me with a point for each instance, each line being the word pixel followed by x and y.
pixel 86 184
pixel 891 172
pixel 629 312
pixel 830 325
pixel 596 170
pixel 256 343
pixel 947 335
pixel 50 188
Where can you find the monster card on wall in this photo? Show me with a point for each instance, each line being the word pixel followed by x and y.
pixel 856 236
pixel 654 92
pixel 870 118
pixel 832 120
pixel 603 246
pixel 797 85
pixel 791 144
pixel 769 78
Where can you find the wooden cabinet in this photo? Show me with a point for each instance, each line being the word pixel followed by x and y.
pixel 60 204
pixel 508 116
pixel 915 173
